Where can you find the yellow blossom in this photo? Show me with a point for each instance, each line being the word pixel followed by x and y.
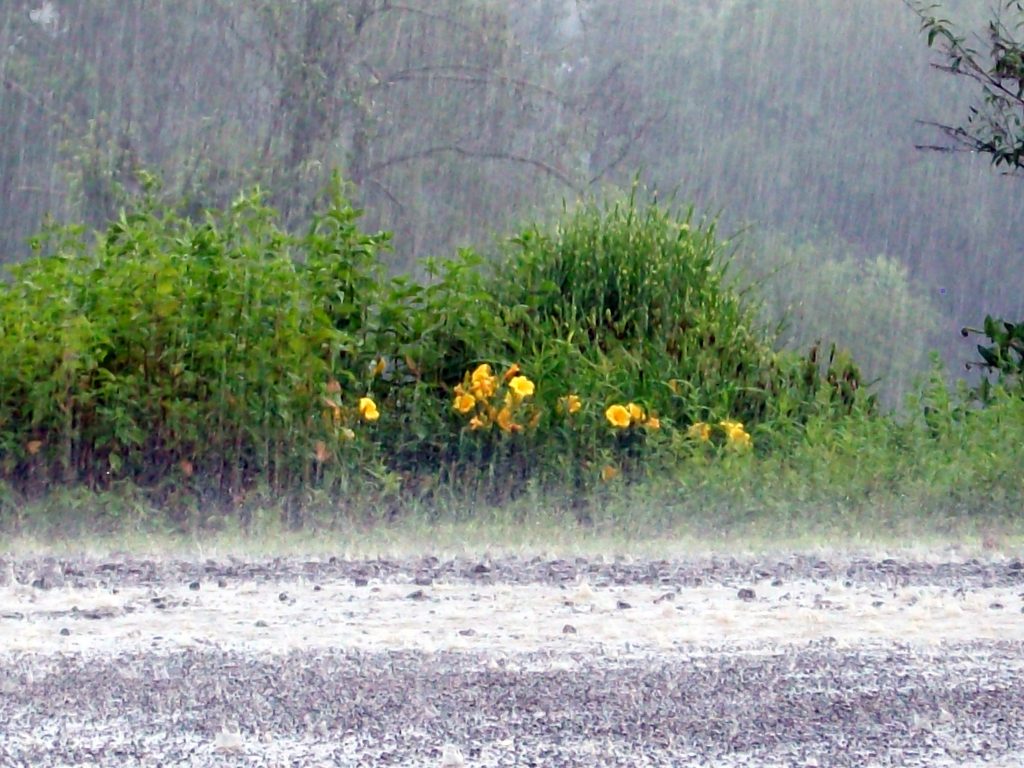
pixel 573 404
pixel 699 431
pixel 379 367
pixel 609 473
pixel 653 423
pixel 513 370
pixel 505 421
pixel 636 413
pixel 618 416
pixel 368 409
pixel 483 381
pixel 477 423
pixel 464 402
pixel 521 386
pixel 738 437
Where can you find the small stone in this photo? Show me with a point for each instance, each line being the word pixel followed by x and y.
pixel 317 588
pixel 360 581
pixel 65 632
pixel 568 629
pixel 222 582
pixel 423 580
pixel 283 597
pixel 451 757
pixel 262 624
pixel 481 568
pixel 997 606
pixel 665 597
pixel 467 632
pixel 417 595
pixel 746 594
pixel 194 586
pixel 622 605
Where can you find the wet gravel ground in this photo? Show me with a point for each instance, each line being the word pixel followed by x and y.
pixel 802 703
pixel 935 570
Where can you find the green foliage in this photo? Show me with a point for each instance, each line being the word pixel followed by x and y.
pixel 1003 356
pixel 632 302
pixel 211 358
pixel 196 365
pixel 993 128
pixel 183 356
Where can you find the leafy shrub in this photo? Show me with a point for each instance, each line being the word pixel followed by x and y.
pixel 172 353
pixel 226 359
pixel 1003 356
pixel 629 301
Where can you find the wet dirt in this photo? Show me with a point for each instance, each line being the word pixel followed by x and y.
pixel 795 660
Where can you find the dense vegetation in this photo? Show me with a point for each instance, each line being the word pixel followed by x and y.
pixel 223 364
pixel 456 119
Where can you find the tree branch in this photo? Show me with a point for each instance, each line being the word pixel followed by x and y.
pixel 454 149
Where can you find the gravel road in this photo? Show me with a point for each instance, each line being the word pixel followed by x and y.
pixel 788 661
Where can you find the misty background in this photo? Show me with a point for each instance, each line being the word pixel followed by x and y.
pixel 455 121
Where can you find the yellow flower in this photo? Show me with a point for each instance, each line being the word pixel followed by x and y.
pixel 464 402
pixel 521 386
pixel 728 425
pixel 618 416
pixel 636 413
pixel 379 367
pixel 699 431
pixel 482 371
pixel 653 423
pixel 570 404
pixel 512 371
pixel 505 421
pixel 483 381
pixel 609 473
pixel 368 409
pixel 738 437
pixel 477 423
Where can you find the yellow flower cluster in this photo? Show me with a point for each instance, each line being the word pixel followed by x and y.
pixel 479 394
pixel 734 432
pixel 625 416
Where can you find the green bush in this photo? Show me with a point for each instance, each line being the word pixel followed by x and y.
pixel 631 302
pixel 1002 356
pixel 227 360
pixel 171 353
